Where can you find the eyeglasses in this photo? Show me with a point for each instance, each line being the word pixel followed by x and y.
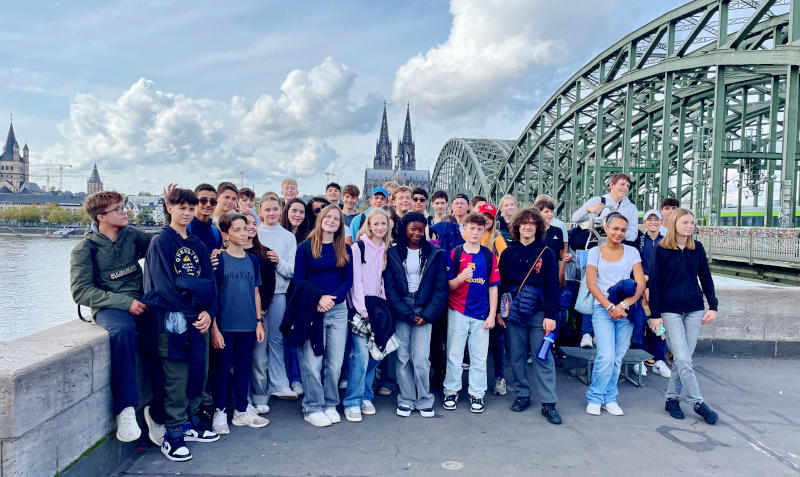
pixel 118 209
pixel 419 199
pixel 206 200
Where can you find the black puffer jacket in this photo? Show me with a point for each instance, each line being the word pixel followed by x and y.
pixel 433 289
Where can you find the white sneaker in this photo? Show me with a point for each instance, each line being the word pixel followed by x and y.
pixel 342 384
pixel 297 387
pixel 613 408
pixel 127 427
pixel 593 409
pixel 586 341
pixel 367 408
pixel 249 418
pixel 332 415
pixel 318 419
pixel 640 369
pixel 220 423
pixel 352 414
pixel 500 387
pixel 155 431
pixel 261 408
pixel 661 368
pixel 288 394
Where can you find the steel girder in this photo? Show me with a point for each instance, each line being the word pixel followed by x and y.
pixel 675 104
pixel 469 165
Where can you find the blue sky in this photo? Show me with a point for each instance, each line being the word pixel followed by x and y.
pixel 156 92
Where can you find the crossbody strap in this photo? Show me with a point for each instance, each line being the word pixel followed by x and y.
pixel 529 271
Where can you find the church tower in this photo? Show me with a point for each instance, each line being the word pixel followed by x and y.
pixel 406 156
pixel 13 165
pixel 383 148
pixel 94 184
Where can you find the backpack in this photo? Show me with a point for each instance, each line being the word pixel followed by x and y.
pixel 487 255
pixel 362 248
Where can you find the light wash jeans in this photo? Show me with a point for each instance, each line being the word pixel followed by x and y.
pixel 323 393
pixel 269 372
pixel 464 330
pixel 413 365
pixel 613 339
pixel 682 332
pixel 361 373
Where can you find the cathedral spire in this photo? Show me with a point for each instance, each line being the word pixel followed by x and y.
pixel 406 156
pixel 383 148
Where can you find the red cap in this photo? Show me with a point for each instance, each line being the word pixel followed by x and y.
pixel 488 209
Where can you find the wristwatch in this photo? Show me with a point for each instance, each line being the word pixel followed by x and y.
pixel 611 307
pixel 259 320
pixel 624 305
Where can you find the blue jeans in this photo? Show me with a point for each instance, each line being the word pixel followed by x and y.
pixel 413 366
pixel 586 325
pixel 682 332
pixel 361 373
pixel 269 372
pixel 461 330
pixel 292 362
pixel 320 374
pixel 613 339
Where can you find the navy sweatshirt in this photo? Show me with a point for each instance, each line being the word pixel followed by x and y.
pixel 207 232
pixel 646 245
pixel 514 264
pixel 323 271
pixel 674 284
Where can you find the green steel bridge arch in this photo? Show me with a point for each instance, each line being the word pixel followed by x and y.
pixel 701 103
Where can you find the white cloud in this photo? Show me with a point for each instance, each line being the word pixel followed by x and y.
pixel 170 135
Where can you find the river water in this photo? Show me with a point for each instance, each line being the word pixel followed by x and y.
pixel 34 284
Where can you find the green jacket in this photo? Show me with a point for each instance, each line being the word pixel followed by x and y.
pixel 117 278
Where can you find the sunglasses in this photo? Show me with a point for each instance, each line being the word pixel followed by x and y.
pixel 419 199
pixel 317 210
pixel 206 200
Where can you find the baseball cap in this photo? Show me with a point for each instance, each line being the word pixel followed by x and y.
pixel 488 209
pixel 461 196
pixel 652 212
pixel 380 190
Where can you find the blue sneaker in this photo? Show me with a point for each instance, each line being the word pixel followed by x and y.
pixel 174 448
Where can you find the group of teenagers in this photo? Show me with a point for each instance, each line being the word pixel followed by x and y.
pixel 239 302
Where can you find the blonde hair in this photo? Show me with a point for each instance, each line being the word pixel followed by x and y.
pixel 339 245
pixel 492 232
pixel 365 230
pixel 288 181
pixel 670 241
pixel 505 198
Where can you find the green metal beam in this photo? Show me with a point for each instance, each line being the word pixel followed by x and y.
pixel 790 136
pixel 774 109
pixel 666 137
pixel 717 147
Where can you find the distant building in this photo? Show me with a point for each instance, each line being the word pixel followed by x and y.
pixel 14 168
pixel 94 184
pixel 404 170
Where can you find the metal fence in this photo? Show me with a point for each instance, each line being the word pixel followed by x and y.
pixel 753 248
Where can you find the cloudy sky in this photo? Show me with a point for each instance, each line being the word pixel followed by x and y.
pixel 161 91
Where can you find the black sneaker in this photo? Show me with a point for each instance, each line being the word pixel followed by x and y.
pixel 550 412
pixel 673 407
pixel 450 401
pixel 706 412
pixel 520 404
pixel 174 448
pixel 475 404
pixel 198 432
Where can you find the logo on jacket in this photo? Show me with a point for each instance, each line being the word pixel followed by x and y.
pixel 187 261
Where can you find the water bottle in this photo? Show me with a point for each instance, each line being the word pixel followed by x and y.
pixel 544 348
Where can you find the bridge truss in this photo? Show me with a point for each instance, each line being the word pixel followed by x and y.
pixel 701 104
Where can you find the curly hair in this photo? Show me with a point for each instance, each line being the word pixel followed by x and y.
pixel 528 216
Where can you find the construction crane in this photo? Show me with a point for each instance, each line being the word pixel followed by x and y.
pixel 241 177
pixel 60 173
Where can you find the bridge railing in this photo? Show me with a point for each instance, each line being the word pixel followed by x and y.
pixel 752 247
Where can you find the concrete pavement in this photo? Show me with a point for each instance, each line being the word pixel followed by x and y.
pixel 758 434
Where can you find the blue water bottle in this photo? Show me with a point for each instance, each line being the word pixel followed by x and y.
pixel 544 348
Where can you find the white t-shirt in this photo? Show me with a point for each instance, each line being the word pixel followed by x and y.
pixel 413 269
pixel 609 273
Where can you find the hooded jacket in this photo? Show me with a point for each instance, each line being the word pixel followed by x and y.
pixel 106 274
pixel 433 290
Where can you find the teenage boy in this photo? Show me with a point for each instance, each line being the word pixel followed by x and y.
pixel 668 205
pixel 289 189
pixel 472 305
pixel 246 203
pixel 439 201
pixel 238 328
pixel 402 200
pixel 182 291
pixel 202 225
pixel 419 200
pixel 460 207
pixel 105 275
pixel 477 202
pixel 376 201
pixel 654 344
pixel 617 200
pixel 350 195
pixel 332 192
pixel 227 199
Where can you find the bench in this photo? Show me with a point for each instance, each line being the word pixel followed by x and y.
pixel 633 356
